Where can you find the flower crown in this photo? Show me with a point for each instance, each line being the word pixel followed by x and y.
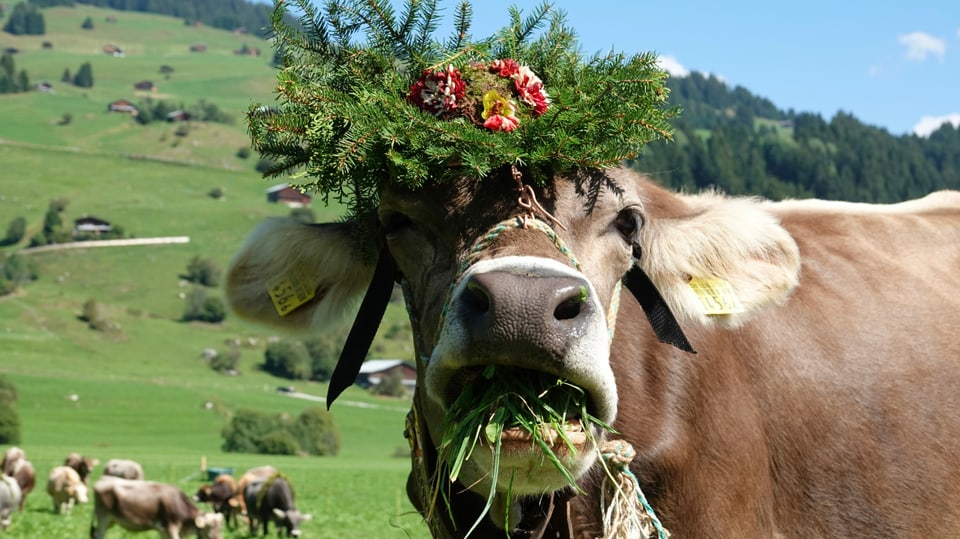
pixel 399 107
pixel 481 98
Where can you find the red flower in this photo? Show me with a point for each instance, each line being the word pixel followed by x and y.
pixel 530 89
pixel 499 122
pixel 438 91
pixel 506 68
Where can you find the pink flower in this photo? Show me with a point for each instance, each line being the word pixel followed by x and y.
pixel 438 91
pixel 530 89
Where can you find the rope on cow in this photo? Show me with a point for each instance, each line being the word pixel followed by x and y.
pixel 628 515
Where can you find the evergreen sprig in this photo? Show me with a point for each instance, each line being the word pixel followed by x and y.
pixel 345 128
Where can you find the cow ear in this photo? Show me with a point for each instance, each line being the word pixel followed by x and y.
pixel 280 513
pixel 722 262
pixel 296 276
pixel 200 522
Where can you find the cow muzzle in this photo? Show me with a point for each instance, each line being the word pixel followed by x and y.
pixel 529 318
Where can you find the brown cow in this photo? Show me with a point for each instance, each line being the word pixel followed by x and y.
pixel 253 474
pixel 125 468
pixel 82 465
pixel 16 465
pixel 821 401
pixel 147 505
pixel 66 489
pixel 223 496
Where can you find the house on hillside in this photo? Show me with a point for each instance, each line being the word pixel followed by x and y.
pixel 44 87
pixel 178 116
pixel 198 47
pixel 373 371
pixel 90 225
pixel 122 105
pixel 291 196
pixel 145 86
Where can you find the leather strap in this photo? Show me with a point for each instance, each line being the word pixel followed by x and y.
pixel 365 327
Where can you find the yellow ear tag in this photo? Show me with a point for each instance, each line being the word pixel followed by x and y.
pixel 288 292
pixel 716 295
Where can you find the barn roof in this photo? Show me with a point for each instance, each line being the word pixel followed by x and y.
pixel 372 366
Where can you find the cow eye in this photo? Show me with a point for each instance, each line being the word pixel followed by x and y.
pixel 628 223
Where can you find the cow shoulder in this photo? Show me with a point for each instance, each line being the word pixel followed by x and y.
pixel 727 244
pixel 284 259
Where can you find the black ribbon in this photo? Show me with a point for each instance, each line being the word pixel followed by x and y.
pixel 664 324
pixel 364 328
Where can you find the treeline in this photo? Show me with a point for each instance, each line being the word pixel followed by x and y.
pixel 11 80
pixel 224 14
pixel 742 144
pixel 25 19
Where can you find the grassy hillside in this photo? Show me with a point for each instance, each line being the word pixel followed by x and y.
pixel 229 81
pixel 143 391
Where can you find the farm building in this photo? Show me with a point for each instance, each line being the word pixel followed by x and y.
pixel 373 371
pixel 198 47
pixel 122 105
pixel 90 225
pixel 145 85
pixel 289 195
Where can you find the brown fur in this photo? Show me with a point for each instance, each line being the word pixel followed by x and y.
pixel 826 409
pixel 147 505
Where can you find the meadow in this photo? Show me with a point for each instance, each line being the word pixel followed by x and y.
pixel 143 391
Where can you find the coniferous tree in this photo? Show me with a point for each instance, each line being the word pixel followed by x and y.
pixel 84 76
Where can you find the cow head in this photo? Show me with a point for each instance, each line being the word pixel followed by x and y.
pixel 209 525
pixel 536 300
pixel 290 520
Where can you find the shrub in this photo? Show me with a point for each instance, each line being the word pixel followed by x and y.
pixel 8 391
pixel 87 24
pixel 313 432
pixel 216 193
pixel 16 230
pixel 243 153
pixel 225 361
pixel 317 432
pixel 278 442
pixel 390 385
pixel 303 215
pixel 287 359
pixel 203 271
pixel 9 425
pixel 324 353
pixel 204 309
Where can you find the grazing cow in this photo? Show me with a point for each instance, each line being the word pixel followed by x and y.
pixel 10 458
pixel 10 498
pixel 147 505
pixel 66 489
pixel 222 495
pixel 82 465
pixel 272 499
pixel 253 474
pixel 26 477
pixel 821 401
pixel 126 469
pixel 16 465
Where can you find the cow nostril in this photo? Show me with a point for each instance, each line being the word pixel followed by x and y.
pixel 569 308
pixel 477 297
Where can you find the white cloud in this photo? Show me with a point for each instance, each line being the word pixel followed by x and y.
pixel 920 45
pixel 673 66
pixel 929 124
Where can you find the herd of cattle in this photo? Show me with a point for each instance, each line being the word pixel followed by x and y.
pixel 122 496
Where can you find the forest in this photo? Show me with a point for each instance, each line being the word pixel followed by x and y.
pixel 729 139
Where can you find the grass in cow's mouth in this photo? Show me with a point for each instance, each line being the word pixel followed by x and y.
pixel 526 405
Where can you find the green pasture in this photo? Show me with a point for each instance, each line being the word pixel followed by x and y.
pixel 143 391
pixel 229 81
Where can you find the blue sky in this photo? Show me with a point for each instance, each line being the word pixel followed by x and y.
pixel 891 64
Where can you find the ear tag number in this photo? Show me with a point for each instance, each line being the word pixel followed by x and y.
pixel 716 295
pixel 288 292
